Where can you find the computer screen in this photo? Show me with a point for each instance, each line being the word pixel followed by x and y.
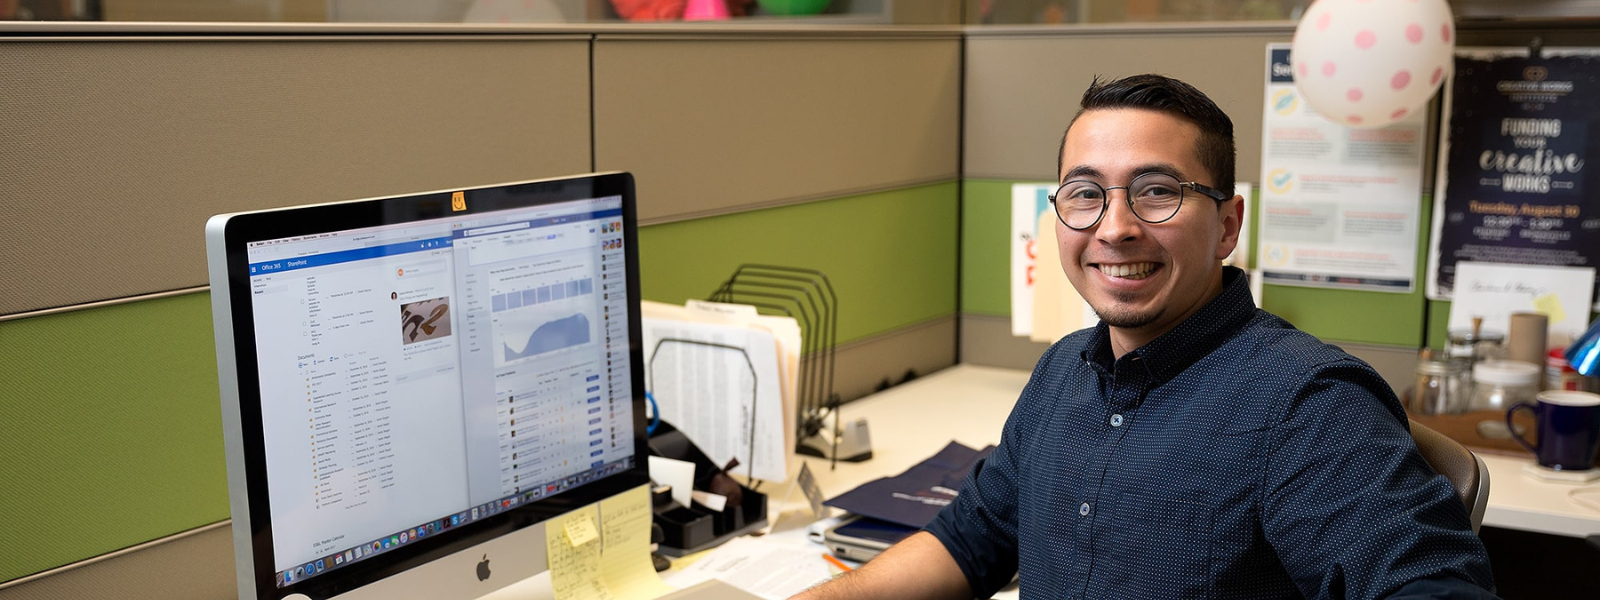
pixel 424 379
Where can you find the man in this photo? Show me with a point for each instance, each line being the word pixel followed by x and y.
pixel 1190 445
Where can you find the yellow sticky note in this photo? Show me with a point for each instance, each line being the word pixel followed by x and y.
pixel 581 531
pixel 1550 305
pixel 625 559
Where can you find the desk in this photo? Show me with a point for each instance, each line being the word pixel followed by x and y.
pixel 969 404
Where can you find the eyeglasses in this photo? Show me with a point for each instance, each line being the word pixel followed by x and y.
pixel 1154 198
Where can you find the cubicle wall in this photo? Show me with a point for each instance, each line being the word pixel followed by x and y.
pixel 117 149
pixel 828 150
pixel 1023 85
pixel 834 152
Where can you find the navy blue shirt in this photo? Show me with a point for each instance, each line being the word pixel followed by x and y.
pixel 1233 457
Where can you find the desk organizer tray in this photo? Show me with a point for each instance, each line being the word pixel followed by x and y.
pixel 690 529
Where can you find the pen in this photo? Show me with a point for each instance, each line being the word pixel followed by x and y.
pixel 836 562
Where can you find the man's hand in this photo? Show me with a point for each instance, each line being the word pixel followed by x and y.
pixel 916 568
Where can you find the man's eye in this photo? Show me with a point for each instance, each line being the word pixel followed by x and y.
pixel 1158 192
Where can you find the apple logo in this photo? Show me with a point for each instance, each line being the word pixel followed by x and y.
pixel 483 568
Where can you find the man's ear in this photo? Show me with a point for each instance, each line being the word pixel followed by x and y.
pixel 1232 215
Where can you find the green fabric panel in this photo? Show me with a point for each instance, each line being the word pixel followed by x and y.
pixel 1438 324
pixel 1358 316
pixel 986 247
pixel 112 433
pixel 1349 315
pixel 891 256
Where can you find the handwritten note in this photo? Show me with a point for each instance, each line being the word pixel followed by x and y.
pixel 575 568
pixel 581 531
pixel 612 563
pixel 1494 291
pixel 625 553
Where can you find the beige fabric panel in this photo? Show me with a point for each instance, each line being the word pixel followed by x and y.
pixel 863 366
pixel 986 341
pixel 194 565
pixel 117 152
pixel 710 126
pixel 1022 90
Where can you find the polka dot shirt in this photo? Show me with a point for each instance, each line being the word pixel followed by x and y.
pixel 1233 457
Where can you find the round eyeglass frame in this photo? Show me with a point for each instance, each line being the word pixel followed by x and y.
pixel 1105 198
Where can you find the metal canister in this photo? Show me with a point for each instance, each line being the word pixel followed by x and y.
pixel 1559 375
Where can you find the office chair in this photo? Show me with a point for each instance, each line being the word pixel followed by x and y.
pixel 1465 470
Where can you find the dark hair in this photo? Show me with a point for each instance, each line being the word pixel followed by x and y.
pixel 1176 98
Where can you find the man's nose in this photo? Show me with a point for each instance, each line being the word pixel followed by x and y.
pixel 1119 223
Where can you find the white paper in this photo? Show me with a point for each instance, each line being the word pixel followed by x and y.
pixel 676 473
pixel 1057 308
pixel 768 568
pixel 707 392
pixel 1340 207
pixel 1494 291
pixel 785 329
pixel 1028 201
pixel 715 502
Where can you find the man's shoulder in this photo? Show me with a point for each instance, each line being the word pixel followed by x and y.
pixel 1270 341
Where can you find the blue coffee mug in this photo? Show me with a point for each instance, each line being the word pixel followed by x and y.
pixel 1569 429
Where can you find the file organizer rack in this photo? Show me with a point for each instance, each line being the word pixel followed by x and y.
pixel 807 296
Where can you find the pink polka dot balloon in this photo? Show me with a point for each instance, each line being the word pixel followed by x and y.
pixel 1370 63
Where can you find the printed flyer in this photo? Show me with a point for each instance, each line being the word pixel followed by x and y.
pixel 1340 207
pixel 1513 171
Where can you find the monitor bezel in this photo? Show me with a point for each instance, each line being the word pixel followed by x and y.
pixel 237 231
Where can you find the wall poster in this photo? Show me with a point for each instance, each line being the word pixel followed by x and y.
pixel 1340 207
pixel 1514 184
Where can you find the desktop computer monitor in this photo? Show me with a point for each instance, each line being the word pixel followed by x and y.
pixel 412 385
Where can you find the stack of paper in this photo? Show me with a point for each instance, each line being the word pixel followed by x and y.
pixel 726 376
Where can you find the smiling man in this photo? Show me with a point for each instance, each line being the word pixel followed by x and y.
pixel 1190 445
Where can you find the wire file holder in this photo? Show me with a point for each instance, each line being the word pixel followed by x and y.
pixel 807 296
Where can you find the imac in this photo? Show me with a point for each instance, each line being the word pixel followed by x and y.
pixel 412 385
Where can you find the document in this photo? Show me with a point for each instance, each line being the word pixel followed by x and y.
pixel 1514 182
pixel 1029 201
pixel 1057 308
pixel 602 551
pixel 772 569
pixel 786 330
pixel 721 385
pixel 575 561
pixel 625 546
pixel 1340 207
pixel 1493 291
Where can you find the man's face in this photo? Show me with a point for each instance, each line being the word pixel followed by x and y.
pixel 1143 279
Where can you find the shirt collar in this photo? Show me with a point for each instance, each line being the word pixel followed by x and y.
pixel 1205 330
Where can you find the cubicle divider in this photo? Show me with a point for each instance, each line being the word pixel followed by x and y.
pixel 1023 85
pixel 834 151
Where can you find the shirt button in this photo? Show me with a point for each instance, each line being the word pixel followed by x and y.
pixel 1084 510
pixel 1116 420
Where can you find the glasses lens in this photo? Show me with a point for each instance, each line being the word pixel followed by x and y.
pixel 1155 196
pixel 1079 203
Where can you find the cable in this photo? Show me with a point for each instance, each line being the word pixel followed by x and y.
pixel 655 414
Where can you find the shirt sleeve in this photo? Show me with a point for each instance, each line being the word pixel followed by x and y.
pixel 979 528
pixel 1350 506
